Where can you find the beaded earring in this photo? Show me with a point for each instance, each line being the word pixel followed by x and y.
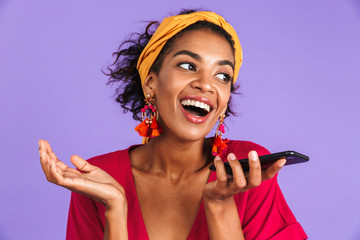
pixel 149 127
pixel 219 144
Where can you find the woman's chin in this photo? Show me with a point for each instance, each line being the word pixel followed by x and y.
pixel 187 135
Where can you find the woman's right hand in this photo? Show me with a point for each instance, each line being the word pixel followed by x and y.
pixel 91 181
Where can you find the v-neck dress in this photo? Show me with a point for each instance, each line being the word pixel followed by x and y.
pixel 263 211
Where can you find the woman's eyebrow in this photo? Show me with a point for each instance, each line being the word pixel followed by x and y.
pixel 197 57
pixel 187 52
pixel 226 62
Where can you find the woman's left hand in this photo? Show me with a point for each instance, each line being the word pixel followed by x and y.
pixel 225 187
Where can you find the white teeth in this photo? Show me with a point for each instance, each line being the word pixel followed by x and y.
pixel 194 103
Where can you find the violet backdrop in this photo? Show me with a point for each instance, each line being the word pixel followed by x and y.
pixel 299 83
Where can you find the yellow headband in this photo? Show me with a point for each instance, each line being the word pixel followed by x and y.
pixel 170 26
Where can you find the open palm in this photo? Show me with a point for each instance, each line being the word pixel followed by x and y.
pixel 90 180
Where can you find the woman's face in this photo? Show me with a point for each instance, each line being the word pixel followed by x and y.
pixel 192 88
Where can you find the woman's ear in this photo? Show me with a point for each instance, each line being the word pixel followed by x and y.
pixel 149 84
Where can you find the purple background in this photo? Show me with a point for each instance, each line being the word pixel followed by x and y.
pixel 300 85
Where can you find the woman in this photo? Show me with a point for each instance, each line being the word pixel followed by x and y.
pixel 163 189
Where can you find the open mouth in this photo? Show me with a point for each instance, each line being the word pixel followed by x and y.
pixel 196 108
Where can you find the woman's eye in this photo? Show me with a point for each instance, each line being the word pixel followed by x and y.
pixel 224 77
pixel 187 66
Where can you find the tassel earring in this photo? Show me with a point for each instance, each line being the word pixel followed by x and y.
pixel 149 127
pixel 219 144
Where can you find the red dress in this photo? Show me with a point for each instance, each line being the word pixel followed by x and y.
pixel 263 211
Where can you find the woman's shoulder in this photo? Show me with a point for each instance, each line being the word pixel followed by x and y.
pixel 112 160
pixel 241 148
pixel 117 164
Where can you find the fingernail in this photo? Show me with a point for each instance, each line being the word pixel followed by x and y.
pixel 231 156
pixel 282 163
pixel 217 158
pixel 254 155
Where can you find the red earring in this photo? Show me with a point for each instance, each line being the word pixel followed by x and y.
pixel 149 127
pixel 219 144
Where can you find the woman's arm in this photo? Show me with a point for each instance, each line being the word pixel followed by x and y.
pixel 221 211
pixel 116 222
pixel 223 220
pixel 92 182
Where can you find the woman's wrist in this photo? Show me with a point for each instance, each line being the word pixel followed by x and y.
pixel 116 205
pixel 116 212
pixel 219 206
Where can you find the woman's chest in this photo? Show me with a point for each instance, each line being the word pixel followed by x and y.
pixel 169 210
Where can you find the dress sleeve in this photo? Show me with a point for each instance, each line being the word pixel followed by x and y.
pixel 267 215
pixel 84 221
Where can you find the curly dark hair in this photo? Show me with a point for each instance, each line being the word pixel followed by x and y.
pixel 124 74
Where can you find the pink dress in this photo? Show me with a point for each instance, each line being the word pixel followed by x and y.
pixel 263 211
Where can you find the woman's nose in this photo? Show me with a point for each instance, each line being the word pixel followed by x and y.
pixel 204 83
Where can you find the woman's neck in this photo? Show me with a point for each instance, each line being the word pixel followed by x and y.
pixel 167 156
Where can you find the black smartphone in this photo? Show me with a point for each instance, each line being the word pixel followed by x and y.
pixel 292 157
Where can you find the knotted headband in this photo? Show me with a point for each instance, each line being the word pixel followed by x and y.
pixel 170 26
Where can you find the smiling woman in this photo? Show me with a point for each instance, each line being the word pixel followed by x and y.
pixel 177 81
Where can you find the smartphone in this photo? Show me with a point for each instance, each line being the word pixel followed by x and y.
pixel 292 157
